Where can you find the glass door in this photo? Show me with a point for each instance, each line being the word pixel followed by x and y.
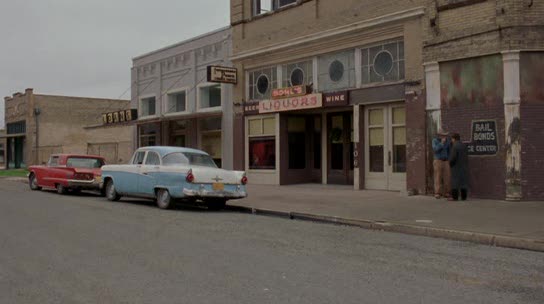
pixel 340 148
pixel 385 147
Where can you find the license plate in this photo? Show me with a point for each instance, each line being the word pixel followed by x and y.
pixel 218 186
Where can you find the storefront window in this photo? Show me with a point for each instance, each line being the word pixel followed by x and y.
pixel 296 128
pixel 2 159
pixel 210 129
pixel 317 142
pixel 383 62
pixel 176 102
pixel 399 140
pixel 376 140
pixel 210 96
pixel 149 135
pixel 298 73
pixel 262 143
pixel 261 82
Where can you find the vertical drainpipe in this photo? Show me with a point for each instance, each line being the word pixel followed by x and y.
pixel 512 125
pixel 433 107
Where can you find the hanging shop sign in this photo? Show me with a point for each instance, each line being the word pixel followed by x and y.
pixel 335 99
pixel 281 93
pixel 119 116
pixel 289 104
pixel 484 139
pixel 222 74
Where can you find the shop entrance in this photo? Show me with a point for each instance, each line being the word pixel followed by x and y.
pixel 340 148
pixel 385 147
pixel 15 151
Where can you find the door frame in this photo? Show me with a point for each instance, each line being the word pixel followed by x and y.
pixel 386 180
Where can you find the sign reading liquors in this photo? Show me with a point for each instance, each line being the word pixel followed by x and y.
pixel 484 139
pixel 119 116
pixel 288 104
pixel 222 74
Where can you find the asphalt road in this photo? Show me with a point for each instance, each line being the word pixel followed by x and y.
pixel 84 249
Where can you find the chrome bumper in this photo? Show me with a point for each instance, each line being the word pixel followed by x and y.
pixel 207 193
pixel 86 184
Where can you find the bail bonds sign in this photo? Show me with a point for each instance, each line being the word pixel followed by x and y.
pixel 484 139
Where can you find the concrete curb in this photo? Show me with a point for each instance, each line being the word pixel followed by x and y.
pixel 450 234
pixel 14 179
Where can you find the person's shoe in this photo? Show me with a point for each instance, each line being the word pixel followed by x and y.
pixel 451 199
pixel 437 196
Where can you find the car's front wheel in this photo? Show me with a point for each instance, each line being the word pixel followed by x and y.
pixel 33 182
pixel 111 193
pixel 61 189
pixel 164 200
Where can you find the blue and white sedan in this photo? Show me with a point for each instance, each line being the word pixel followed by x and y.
pixel 167 174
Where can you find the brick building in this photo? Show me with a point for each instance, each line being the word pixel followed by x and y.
pixel 401 69
pixel 176 104
pixel 363 64
pixel 484 62
pixel 40 125
pixel 2 149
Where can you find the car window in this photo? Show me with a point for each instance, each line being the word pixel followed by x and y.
pixel 175 159
pixel 198 159
pixel 152 159
pixel 81 162
pixel 138 158
pixel 54 161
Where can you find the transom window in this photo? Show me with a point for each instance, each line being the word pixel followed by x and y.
pixel 384 62
pixel 298 73
pixel 177 102
pixel 147 106
pixel 261 83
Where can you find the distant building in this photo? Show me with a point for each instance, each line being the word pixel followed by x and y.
pixel 176 105
pixel 40 125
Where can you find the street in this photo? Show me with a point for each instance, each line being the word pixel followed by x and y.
pixel 85 249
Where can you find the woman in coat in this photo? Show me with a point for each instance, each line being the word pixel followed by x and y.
pixel 459 168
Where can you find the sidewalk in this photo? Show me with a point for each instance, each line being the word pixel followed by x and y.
pixel 500 223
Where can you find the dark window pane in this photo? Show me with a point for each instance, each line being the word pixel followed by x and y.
pixel 376 158
pixel 399 158
pixel 262 153
pixel 317 150
pixel 297 150
pixel 337 156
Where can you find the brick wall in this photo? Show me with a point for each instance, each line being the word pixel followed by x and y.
pixel 472 89
pixel 532 125
pixel 416 142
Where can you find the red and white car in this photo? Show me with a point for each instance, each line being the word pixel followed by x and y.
pixel 68 172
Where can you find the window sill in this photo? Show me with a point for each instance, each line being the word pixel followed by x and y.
pixel 213 109
pixel 173 114
pixel 148 117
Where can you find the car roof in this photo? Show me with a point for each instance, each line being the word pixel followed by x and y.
pixel 164 150
pixel 66 155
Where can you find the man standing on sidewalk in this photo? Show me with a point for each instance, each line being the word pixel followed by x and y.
pixel 441 166
pixel 459 168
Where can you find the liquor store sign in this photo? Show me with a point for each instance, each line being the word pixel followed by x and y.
pixel 119 116
pixel 484 141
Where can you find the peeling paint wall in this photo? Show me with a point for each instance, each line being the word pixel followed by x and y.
pixel 472 89
pixel 532 124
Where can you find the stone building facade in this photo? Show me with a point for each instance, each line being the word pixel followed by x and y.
pixel 468 66
pixel 176 104
pixel 40 125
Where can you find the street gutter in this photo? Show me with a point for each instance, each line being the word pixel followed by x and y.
pixel 450 234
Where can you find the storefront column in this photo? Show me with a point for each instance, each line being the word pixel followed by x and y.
pixel 432 83
pixel 512 124
pixel 356 152
pixel 324 144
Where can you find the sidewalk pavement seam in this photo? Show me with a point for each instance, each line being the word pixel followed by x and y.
pixel 450 234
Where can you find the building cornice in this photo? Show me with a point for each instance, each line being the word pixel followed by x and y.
pixel 345 29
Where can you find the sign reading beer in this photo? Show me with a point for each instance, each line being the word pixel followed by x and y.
pixel 335 99
pixel 484 139
pixel 120 116
pixel 289 104
pixel 222 74
pixel 251 107
pixel 280 93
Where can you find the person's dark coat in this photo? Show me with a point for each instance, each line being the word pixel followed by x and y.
pixel 459 166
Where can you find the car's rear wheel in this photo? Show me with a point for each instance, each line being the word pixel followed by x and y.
pixel 216 204
pixel 111 193
pixel 163 199
pixel 61 189
pixel 33 182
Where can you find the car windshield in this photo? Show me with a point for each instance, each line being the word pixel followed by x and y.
pixel 188 158
pixel 81 162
